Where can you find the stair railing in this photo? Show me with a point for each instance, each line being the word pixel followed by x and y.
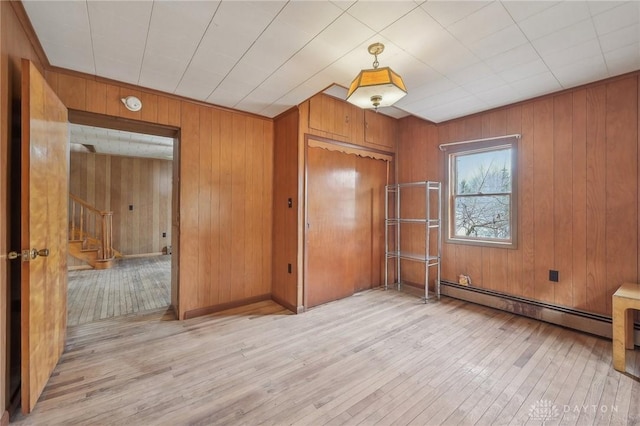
pixel 92 226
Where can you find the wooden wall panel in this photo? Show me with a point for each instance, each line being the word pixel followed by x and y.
pixel 223 256
pixel 579 199
pixel 578 190
pixel 596 199
pixel 562 197
pixel 621 180
pixel 141 182
pixel 285 224
pixel 526 236
pixel 543 185
pixel 515 276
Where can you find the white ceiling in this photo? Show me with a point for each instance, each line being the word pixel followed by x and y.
pixel 117 142
pixel 456 57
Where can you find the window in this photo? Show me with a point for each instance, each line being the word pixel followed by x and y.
pixel 482 197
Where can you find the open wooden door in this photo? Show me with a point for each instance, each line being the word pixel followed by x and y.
pixel 43 234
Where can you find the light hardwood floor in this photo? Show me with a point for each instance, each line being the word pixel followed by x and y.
pixel 132 285
pixel 375 358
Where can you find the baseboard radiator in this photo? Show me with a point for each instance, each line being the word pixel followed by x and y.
pixel 600 325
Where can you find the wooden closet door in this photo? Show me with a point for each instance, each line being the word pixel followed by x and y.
pixel 345 224
pixel 369 233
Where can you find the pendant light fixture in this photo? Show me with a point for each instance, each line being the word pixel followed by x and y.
pixel 376 87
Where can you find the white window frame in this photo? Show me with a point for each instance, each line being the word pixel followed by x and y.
pixel 454 150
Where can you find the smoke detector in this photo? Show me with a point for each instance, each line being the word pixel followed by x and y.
pixel 132 103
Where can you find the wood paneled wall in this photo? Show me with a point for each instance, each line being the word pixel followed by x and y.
pixel 285 216
pixel 14 45
pixel 226 178
pixel 114 183
pixel 578 186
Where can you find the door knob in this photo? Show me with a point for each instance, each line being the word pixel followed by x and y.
pixel 42 252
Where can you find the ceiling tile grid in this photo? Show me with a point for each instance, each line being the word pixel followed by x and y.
pixel 457 57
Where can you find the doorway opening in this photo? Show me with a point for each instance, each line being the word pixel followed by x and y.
pixel 125 171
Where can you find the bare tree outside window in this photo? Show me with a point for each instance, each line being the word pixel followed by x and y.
pixel 481 183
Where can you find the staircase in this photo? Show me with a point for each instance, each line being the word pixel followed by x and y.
pixel 90 234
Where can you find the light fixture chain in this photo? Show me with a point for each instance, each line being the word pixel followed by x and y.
pixel 375 62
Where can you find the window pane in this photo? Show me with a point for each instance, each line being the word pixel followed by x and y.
pixel 483 172
pixel 483 217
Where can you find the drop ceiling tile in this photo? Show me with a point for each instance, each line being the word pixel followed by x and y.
pixel 448 12
pixel 295 26
pixel 214 63
pixel 171 69
pixel 529 69
pixel 439 99
pixel 159 81
pixel 107 47
pixel 573 54
pixel 248 74
pixel 72 13
pixel 71 57
pixel 236 25
pixel 520 55
pixel 566 37
pixel 311 17
pixel 343 4
pixel 536 85
pixel 521 10
pixel 68 36
pixel 120 20
pixel 116 69
pixel 345 33
pixel 482 23
pixel 258 100
pixel 562 15
pixel 625 59
pixel 383 14
pixel 597 7
pixel 422 43
pixel 498 95
pixel 459 107
pixel 499 42
pixel 275 46
pixel 229 92
pixel 488 83
pixel 453 57
pixel 619 17
pixel 433 88
pixel 296 96
pixel 473 73
pixel 198 83
pixel 620 38
pixel 582 71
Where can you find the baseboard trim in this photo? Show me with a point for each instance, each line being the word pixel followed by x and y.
pixel 284 304
pixel 600 325
pixel 4 420
pixel 79 268
pixel 224 306
pixel 134 256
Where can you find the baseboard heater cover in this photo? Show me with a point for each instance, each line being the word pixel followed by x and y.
pixel 599 325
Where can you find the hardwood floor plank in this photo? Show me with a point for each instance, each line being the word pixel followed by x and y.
pixel 380 357
pixel 133 285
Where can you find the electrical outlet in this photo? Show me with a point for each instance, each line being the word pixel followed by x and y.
pixel 164 235
pixel 553 275
pixel 130 206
